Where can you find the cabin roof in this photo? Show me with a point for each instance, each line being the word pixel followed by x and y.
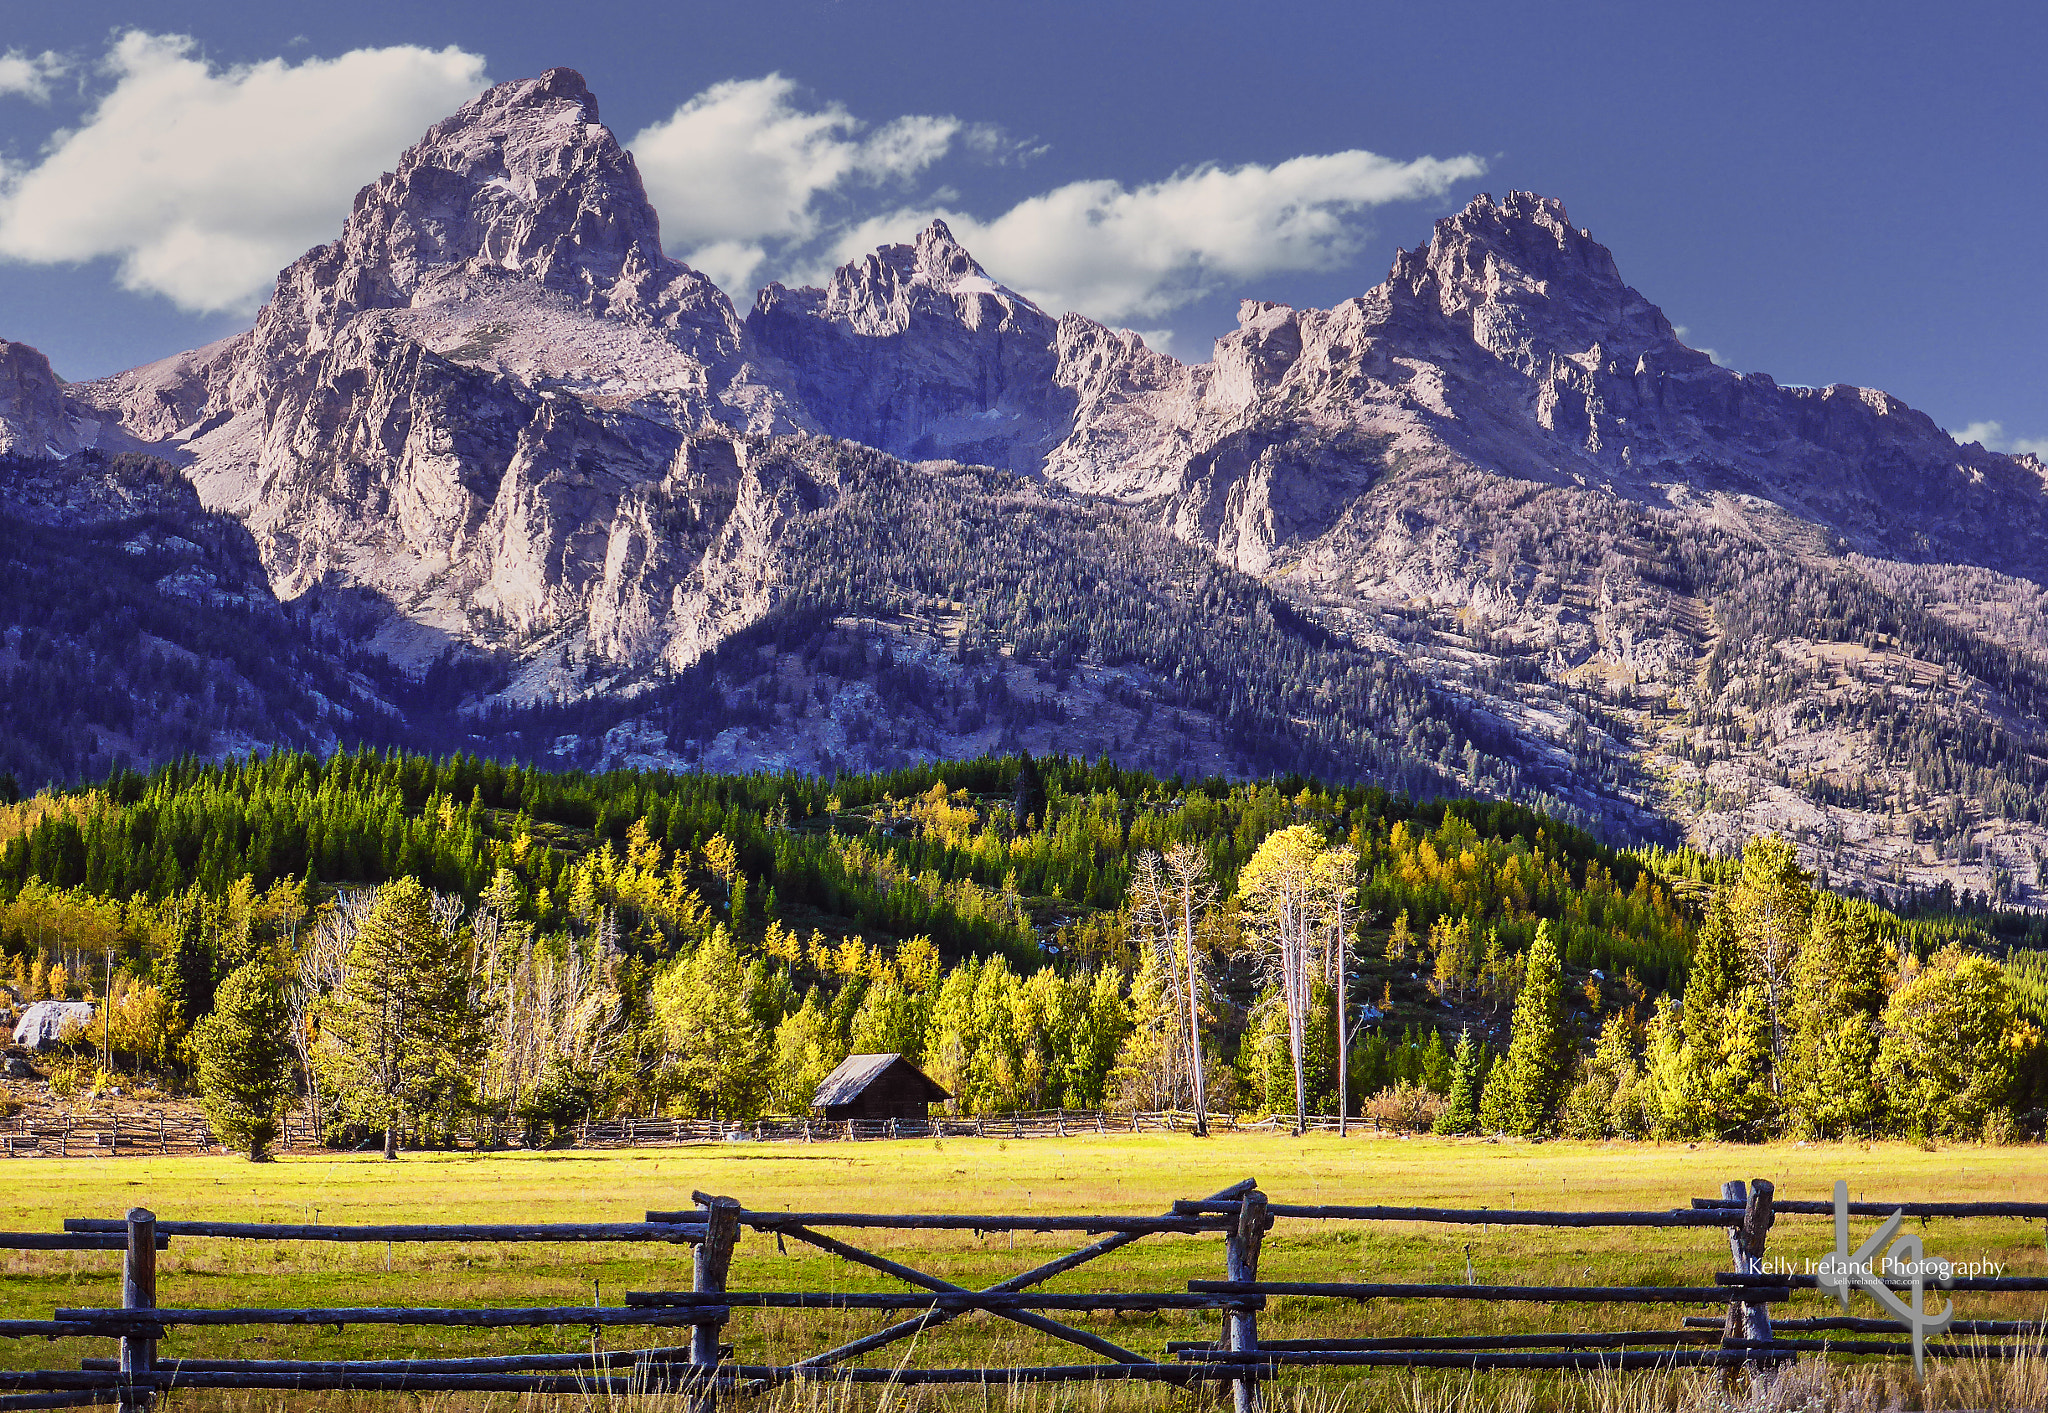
pixel 857 1072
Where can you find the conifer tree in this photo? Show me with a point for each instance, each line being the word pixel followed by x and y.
pixel 1461 1104
pixel 1436 1064
pixel 1027 802
pixel 1837 990
pixel 186 972
pixel 243 1051
pixel 1526 1087
pixel 405 1034
pixel 1702 1091
pixel 1589 1109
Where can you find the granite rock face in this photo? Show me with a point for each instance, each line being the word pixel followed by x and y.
pixel 445 406
pixel 1509 343
pixel 917 352
pixel 494 415
pixel 36 417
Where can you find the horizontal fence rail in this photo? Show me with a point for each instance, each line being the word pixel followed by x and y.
pixel 1740 1335
pixel 668 1232
pixel 1545 1294
pixel 1486 1216
pixel 783 1221
pixel 119 1320
pixel 1885 1209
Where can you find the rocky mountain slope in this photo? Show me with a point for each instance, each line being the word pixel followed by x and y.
pixel 1505 531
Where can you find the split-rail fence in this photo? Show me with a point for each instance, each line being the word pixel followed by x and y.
pixel 1742 1335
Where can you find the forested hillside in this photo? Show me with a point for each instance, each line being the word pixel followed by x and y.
pixel 1030 932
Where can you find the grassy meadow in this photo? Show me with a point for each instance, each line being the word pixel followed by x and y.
pixel 1135 1174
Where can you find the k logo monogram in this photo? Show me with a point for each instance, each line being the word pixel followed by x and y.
pixel 1905 1260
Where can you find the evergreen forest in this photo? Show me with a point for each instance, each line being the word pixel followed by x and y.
pixel 408 947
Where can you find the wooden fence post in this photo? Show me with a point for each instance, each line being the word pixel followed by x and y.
pixel 1746 1248
pixel 713 1257
pixel 1241 1263
pixel 138 1292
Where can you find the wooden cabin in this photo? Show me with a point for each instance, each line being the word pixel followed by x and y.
pixel 878 1087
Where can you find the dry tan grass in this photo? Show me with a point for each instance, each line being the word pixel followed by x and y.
pixel 1116 1174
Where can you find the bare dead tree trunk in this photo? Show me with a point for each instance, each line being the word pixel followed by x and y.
pixel 1343 1040
pixel 1188 868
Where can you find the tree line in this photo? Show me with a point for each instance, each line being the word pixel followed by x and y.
pixel 457 940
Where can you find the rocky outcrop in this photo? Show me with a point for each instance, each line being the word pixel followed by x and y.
pixel 916 351
pixel 446 405
pixel 36 418
pixel 493 414
pixel 164 401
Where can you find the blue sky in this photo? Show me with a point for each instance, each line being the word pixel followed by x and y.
pixel 1825 192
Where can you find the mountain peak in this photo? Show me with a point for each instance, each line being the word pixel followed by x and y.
pixel 885 291
pixel 522 180
pixel 942 262
pixel 554 84
pixel 1530 284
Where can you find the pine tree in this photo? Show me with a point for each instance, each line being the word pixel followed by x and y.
pixel 1027 804
pixel 1589 1109
pixel 244 1052
pixel 1709 1085
pixel 1837 989
pixel 1461 1106
pixel 1525 1089
pixel 1436 1064
pixel 406 1034
pixel 186 972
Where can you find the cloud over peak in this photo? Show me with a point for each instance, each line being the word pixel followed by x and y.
pixel 752 181
pixel 1991 436
pixel 743 166
pixel 1118 253
pixel 202 182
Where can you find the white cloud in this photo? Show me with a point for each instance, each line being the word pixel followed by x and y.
pixel 742 166
pixel 1118 253
pixel 29 75
pixel 1991 436
pixel 204 182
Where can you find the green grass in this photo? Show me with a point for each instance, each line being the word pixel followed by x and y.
pixel 1140 1174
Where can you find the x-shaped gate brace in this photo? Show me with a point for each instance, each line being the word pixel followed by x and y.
pixel 783 1224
